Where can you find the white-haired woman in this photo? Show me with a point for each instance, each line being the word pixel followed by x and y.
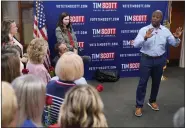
pixel 30 92
pixel 68 68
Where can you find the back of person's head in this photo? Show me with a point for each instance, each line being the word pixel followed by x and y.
pixel 60 49
pixel 10 67
pixel 69 67
pixel 9 106
pixel 30 92
pixel 178 119
pixel 5 39
pixel 37 50
pixel 82 107
pixel 8 48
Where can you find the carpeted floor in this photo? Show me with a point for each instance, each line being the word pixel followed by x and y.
pixel 119 101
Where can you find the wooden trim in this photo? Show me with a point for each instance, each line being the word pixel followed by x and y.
pixel 26 6
pixel 21 7
pixel 2 18
pixel 20 23
pixel 173 63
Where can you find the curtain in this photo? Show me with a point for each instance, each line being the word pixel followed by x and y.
pixel 181 63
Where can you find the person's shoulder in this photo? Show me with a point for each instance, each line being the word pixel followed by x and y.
pixel 81 81
pixel 28 123
pixel 58 28
pixel 51 83
pixel 40 67
pixel 164 28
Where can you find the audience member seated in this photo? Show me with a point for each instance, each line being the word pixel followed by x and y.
pixel 9 106
pixel 61 48
pixel 68 68
pixel 30 92
pixel 37 50
pixel 82 108
pixel 10 66
pixel 178 119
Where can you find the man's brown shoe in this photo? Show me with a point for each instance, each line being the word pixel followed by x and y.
pixel 154 106
pixel 138 112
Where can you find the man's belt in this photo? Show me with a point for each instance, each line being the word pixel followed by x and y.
pixel 151 56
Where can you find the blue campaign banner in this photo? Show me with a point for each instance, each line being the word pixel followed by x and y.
pixel 104 31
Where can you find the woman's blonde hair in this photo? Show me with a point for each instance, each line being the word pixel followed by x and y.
pixel 37 50
pixel 9 104
pixel 30 92
pixel 69 67
pixel 82 107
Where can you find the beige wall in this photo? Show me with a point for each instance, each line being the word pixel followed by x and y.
pixel 28 25
pixel 11 12
pixel 28 32
pixel 181 63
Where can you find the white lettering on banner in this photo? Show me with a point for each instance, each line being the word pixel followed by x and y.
pixel 136 18
pixel 105 31
pixel 102 67
pixel 103 56
pixel 130 67
pixel 130 55
pixel 72 6
pixel 127 44
pixel 129 31
pixel 111 19
pixel 136 5
pixel 105 5
pixel 101 44
pixel 81 32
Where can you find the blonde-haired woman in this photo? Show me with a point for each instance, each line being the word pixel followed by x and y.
pixel 82 107
pixel 68 68
pixel 37 50
pixel 9 106
pixel 30 92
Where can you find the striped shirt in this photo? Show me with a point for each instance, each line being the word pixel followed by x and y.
pixel 57 89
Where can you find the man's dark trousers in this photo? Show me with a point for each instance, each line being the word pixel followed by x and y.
pixel 149 66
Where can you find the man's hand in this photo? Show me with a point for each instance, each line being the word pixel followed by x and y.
pixel 149 33
pixel 178 32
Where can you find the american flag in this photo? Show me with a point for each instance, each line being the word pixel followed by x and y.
pixel 40 30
